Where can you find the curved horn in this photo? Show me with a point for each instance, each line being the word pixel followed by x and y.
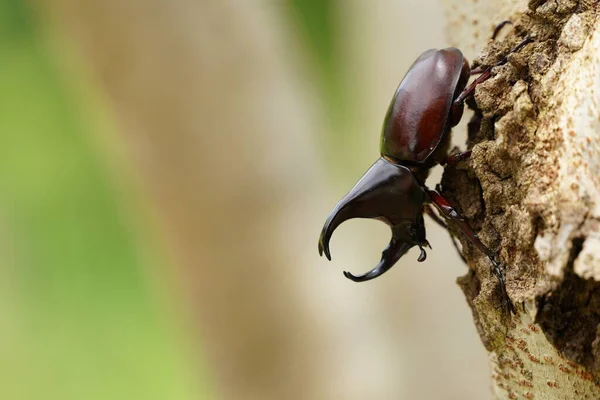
pixel 387 192
pixel 389 257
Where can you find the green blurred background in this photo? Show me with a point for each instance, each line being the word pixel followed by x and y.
pixel 165 169
pixel 79 317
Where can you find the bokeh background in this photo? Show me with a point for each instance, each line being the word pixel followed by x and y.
pixel 166 167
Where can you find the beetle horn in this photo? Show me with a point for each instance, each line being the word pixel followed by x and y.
pixel 389 257
pixel 387 192
pixel 342 212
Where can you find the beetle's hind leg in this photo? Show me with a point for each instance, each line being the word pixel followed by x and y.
pixel 450 213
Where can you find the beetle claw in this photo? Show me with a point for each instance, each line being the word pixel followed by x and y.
pixel 496 270
pixel 423 255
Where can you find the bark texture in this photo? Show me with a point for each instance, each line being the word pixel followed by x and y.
pixel 531 189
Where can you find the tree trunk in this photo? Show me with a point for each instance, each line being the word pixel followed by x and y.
pixel 531 190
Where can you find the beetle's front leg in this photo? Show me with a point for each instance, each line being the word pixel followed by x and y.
pixel 419 232
pixel 497 29
pixel 450 213
pixel 485 74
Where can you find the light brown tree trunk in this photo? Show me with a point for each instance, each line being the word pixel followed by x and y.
pixel 532 190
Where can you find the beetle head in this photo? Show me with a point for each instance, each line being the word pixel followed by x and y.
pixel 390 193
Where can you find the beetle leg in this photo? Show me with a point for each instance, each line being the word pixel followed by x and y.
pixel 499 27
pixel 450 213
pixel 440 222
pixel 429 211
pixel 423 255
pixel 453 159
pixel 485 75
pixel 458 250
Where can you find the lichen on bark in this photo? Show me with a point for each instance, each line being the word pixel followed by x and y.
pixel 532 191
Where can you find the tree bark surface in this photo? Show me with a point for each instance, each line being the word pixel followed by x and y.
pixel 531 190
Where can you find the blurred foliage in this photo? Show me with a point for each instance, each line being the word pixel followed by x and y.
pixel 318 27
pixel 315 19
pixel 14 21
pixel 79 318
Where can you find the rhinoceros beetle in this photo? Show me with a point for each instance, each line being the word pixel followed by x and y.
pixel 416 136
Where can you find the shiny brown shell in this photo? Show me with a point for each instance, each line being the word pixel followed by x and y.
pixel 419 115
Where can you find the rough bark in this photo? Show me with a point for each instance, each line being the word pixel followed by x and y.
pixel 531 189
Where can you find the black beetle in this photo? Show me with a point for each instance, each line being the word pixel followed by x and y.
pixel 416 135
